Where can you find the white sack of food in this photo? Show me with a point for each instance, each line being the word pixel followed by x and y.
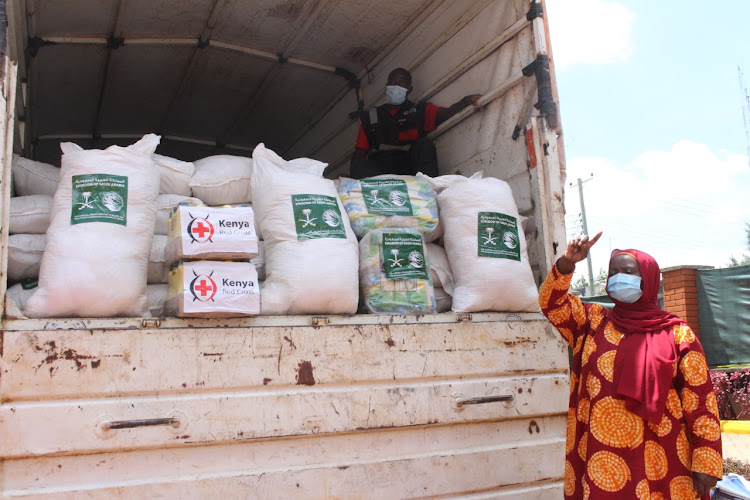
pixel 165 203
pixel 25 252
pixel 259 261
pixel 486 247
pixel 158 268
pixel 222 179
pixel 311 251
pixel 174 175
pixel 442 182
pixel 210 289
pixel 390 201
pixel 99 240
pixel 34 177
pixel 394 272
pixel 443 300
pixel 211 233
pixel 442 276
pixel 156 296
pixel 20 293
pixel 29 214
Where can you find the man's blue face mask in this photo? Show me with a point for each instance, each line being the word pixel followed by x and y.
pixel 396 95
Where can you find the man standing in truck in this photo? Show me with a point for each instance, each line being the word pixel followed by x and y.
pixel 392 137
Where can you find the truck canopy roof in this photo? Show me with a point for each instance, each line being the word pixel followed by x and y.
pixel 210 76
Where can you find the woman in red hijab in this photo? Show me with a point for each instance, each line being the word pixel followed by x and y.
pixel 643 422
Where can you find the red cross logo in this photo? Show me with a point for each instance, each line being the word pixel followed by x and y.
pixel 203 288
pixel 200 230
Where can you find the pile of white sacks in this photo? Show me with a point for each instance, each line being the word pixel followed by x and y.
pixel 93 234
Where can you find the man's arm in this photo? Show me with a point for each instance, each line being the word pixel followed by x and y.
pixel 444 114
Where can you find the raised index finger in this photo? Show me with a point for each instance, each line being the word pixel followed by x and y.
pixel 595 238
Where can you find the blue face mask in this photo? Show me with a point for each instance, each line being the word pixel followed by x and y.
pixel 396 95
pixel 625 287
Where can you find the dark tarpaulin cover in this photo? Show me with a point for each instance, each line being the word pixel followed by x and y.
pixel 724 314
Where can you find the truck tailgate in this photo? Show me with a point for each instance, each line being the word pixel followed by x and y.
pixel 379 409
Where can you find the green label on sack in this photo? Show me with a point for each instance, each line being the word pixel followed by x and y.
pixel 403 256
pixel 498 236
pixel 99 198
pixel 29 284
pixel 317 216
pixel 386 196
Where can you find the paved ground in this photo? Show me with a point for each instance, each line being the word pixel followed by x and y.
pixel 736 446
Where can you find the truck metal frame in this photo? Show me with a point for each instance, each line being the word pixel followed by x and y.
pixel 363 406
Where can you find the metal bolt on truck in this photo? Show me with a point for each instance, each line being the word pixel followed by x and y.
pixel 321 406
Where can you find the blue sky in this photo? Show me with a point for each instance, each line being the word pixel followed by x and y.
pixel 651 106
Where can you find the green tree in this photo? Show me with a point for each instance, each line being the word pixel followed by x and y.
pixel 745 259
pixel 733 261
pixel 600 283
pixel 581 283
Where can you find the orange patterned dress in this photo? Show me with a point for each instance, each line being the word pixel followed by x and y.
pixel 612 453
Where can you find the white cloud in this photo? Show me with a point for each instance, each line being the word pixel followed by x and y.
pixel 589 32
pixel 686 206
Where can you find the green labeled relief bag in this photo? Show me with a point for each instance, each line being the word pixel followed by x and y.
pixel 99 240
pixel 486 247
pixel 311 254
pixel 401 201
pixel 394 272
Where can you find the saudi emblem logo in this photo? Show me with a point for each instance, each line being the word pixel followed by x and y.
pixel 331 218
pixel 87 201
pixel 416 259
pixel 510 240
pixel 200 229
pixel 203 287
pixel 395 261
pixel 398 198
pixel 112 201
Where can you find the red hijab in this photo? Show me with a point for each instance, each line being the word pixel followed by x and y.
pixel 645 358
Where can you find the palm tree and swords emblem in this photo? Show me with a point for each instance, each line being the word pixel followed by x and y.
pixel 86 201
pixel 307 221
pixel 489 239
pixel 395 261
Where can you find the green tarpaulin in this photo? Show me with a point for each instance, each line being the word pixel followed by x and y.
pixel 724 314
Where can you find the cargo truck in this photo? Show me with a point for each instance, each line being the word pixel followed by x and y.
pixel 363 406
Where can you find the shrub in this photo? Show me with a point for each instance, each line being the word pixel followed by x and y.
pixel 739 383
pixel 734 466
pixel 723 389
pixel 732 393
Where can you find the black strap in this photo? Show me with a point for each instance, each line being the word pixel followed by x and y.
pixel 535 11
pixel 539 68
pixel 364 119
pixel 421 107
